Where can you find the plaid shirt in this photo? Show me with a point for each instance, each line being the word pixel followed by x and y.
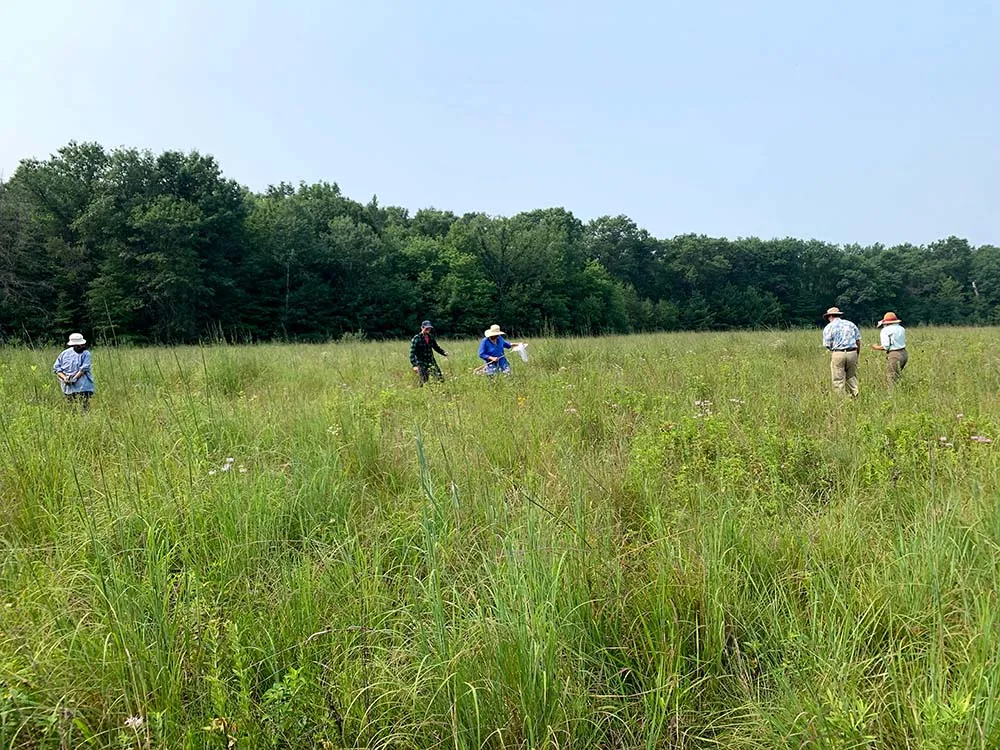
pixel 422 348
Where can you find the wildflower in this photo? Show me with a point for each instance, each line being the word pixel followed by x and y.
pixel 959 416
pixel 943 439
pixel 211 472
pixel 737 401
pixel 134 722
pixel 981 439
pixel 243 470
pixel 570 410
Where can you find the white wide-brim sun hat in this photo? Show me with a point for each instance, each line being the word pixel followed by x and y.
pixel 76 339
pixel 493 330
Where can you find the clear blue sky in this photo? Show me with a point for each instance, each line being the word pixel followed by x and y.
pixel 844 121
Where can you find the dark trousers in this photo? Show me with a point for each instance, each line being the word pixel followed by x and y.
pixel 83 397
pixel 426 369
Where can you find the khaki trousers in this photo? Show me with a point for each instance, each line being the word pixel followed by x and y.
pixel 844 370
pixel 895 361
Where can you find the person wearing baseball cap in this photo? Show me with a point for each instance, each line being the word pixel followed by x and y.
pixel 422 348
pixel 843 339
pixel 892 341
pixel 72 367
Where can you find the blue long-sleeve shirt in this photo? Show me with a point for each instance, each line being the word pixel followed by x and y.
pixel 71 362
pixel 488 349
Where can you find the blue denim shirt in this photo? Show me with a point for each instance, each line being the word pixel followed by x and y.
pixel 70 363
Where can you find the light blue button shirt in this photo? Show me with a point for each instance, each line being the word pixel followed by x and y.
pixel 892 337
pixel 70 363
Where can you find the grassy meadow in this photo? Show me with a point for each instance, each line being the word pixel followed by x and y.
pixel 664 541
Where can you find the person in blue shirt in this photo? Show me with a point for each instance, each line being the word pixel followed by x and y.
pixel 72 367
pixel 843 339
pixel 492 350
pixel 892 341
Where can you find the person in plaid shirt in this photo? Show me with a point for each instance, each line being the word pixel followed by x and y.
pixel 843 339
pixel 422 348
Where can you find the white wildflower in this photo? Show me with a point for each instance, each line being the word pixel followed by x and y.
pixel 134 722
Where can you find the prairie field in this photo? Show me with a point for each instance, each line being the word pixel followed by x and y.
pixel 658 541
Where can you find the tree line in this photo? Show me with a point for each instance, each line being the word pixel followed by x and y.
pixel 132 246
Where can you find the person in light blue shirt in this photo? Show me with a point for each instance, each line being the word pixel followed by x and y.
pixel 892 341
pixel 843 339
pixel 492 350
pixel 72 367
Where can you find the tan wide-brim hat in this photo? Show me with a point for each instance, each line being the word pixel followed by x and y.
pixel 889 317
pixel 493 330
pixel 832 311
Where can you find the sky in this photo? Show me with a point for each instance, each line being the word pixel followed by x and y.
pixel 848 121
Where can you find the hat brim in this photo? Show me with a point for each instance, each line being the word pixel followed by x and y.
pixel 887 322
pixel 491 333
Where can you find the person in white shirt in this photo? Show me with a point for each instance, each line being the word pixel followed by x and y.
pixel 892 341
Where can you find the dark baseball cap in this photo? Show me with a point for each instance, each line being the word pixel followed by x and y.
pixel 426 324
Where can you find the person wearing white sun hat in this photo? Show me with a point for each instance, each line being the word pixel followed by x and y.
pixel 492 350
pixel 72 367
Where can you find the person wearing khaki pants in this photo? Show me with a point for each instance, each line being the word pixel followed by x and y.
pixel 843 339
pixel 892 341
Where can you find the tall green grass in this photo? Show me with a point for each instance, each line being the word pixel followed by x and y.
pixel 656 541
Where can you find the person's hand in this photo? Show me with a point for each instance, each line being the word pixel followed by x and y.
pixel 416 369
pixel 445 354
